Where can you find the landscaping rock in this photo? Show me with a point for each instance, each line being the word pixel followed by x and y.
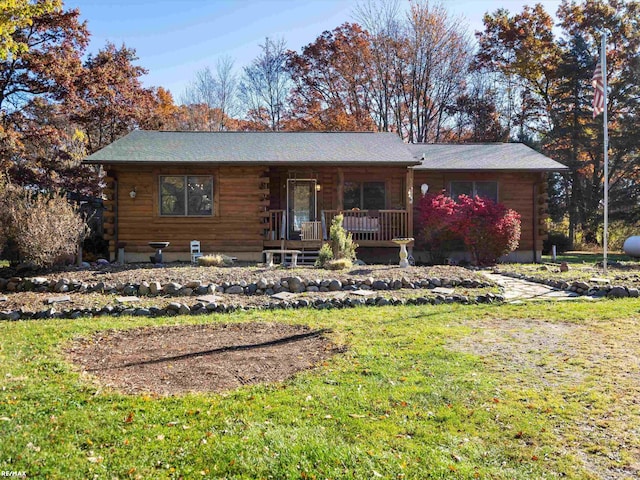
pixel 61 299
pixel 203 290
pixel 380 285
pixel 61 286
pixel 581 286
pixel 155 288
pixel 295 284
pixel 234 290
pixel 144 289
pixel 564 267
pixel 334 285
pixel 171 288
pixel 262 284
pixel 184 310
pixel 129 290
pixel 618 292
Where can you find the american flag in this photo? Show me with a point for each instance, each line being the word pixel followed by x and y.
pixel 598 95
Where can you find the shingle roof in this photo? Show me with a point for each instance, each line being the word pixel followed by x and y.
pixel 256 147
pixel 482 156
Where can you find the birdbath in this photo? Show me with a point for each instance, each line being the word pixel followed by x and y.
pixel 404 263
pixel 158 246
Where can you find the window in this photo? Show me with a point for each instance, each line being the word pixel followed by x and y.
pixel 475 189
pixel 185 195
pixel 364 195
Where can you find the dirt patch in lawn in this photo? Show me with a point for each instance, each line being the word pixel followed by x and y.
pixel 591 369
pixel 200 358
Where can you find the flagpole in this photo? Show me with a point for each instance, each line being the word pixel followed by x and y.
pixel 605 237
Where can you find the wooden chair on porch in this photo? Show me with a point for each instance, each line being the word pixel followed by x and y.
pixel 311 231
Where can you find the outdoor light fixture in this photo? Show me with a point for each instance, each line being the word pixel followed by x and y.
pixel 424 188
pixel 318 187
pixel 133 193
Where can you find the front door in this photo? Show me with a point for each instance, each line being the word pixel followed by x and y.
pixel 301 205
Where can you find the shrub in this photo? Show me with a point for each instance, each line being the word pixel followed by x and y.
pixel 339 264
pixel 488 229
pixel 340 244
pixel 43 227
pixel 214 260
pixel 560 240
pixel 324 255
pixel 434 226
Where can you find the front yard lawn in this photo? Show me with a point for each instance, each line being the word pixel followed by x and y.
pixel 446 391
pixel 583 266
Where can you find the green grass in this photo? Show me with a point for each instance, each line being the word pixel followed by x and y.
pixel 587 257
pixel 407 400
pixel 4 263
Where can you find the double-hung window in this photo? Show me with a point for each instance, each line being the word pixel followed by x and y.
pixel 364 195
pixel 474 189
pixel 186 195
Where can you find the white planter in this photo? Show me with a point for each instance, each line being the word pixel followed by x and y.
pixel 632 246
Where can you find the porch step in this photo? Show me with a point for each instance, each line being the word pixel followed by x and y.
pixel 308 257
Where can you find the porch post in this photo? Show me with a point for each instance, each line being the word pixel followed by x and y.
pixel 409 202
pixel 340 190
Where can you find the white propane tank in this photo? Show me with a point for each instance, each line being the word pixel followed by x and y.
pixel 632 246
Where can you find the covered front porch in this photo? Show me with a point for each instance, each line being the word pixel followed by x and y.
pixel 369 228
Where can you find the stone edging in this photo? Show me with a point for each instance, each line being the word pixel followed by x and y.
pixel 579 287
pixel 261 287
pixel 200 308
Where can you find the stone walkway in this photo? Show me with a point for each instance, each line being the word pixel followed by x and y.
pixel 516 290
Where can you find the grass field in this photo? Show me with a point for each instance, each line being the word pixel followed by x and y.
pixel 588 257
pixel 448 391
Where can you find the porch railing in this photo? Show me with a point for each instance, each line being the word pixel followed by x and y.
pixel 372 226
pixel 365 225
pixel 275 224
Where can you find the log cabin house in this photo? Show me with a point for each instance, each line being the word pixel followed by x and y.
pixel 240 193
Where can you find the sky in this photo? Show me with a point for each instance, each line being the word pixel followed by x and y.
pixel 175 39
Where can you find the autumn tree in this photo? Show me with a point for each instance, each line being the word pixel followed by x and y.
pixel 17 15
pixel 264 86
pixel 108 98
pixel 553 76
pixel 34 83
pixel 332 81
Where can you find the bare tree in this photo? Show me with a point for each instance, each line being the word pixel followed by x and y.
pixel 382 20
pixel 212 97
pixel 421 60
pixel 265 85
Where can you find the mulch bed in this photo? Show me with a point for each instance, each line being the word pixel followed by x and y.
pixel 185 272
pixel 199 358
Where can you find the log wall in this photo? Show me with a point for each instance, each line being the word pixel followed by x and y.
pixel 241 198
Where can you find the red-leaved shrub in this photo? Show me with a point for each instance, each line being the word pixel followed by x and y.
pixel 487 229
pixel 434 224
